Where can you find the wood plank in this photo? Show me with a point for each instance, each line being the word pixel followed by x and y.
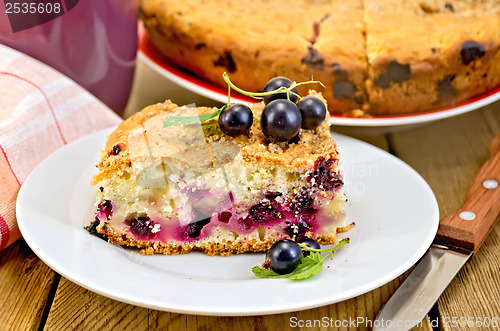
pixel 483 202
pixel 150 87
pixel 76 308
pixel 477 283
pixel 374 137
pixel 448 154
pixel 477 286
pixel 355 314
pixel 25 284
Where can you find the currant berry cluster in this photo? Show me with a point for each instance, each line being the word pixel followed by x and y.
pixel 283 116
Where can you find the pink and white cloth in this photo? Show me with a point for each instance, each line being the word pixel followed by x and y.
pixel 41 110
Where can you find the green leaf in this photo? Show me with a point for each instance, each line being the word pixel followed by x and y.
pixel 266 273
pixel 187 120
pixel 309 266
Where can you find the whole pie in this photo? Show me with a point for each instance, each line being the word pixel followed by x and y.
pixel 191 187
pixel 376 57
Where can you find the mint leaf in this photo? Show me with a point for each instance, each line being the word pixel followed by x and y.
pixel 266 273
pixel 187 120
pixel 309 266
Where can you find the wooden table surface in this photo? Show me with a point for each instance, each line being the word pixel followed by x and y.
pixel 446 153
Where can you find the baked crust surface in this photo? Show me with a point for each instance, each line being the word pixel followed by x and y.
pixel 254 147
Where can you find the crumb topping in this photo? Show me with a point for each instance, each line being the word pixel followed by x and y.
pixel 205 145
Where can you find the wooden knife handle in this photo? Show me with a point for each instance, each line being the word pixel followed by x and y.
pixel 470 225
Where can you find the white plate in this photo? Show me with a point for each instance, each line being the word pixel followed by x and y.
pixel 395 211
pixel 151 56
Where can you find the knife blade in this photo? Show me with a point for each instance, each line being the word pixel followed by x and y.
pixel 459 237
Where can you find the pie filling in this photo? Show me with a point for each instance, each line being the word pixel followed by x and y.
pixel 195 213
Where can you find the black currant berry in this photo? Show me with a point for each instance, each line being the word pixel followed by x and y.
pixel 311 243
pixel 313 112
pixel 236 120
pixel 141 226
pixel 281 120
pixel 275 84
pixel 284 256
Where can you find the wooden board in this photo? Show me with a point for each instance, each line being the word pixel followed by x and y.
pixel 448 154
pixel 76 308
pixel 25 286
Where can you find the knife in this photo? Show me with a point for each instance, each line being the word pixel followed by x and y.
pixel 459 236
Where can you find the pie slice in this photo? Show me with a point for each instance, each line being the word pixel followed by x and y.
pixel 191 187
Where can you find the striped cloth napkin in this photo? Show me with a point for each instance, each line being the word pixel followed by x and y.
pixel 40 111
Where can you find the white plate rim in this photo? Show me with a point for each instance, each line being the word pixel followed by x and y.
pixel 235 311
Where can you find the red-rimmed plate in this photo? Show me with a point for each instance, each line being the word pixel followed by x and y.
pixel 150 55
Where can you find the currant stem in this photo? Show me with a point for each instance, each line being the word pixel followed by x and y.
pixel 335 247
pixel 332 249
pixel 259 95
pixel 309 82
